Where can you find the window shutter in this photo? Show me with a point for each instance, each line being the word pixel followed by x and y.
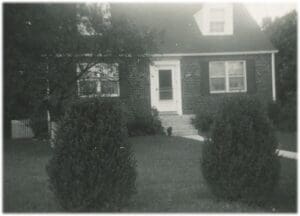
pixel 123 79
pixel 251 79
pixel 204 77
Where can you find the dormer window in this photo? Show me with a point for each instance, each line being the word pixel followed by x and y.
pixel 215 19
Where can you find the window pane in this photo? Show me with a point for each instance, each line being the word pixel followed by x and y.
pixel 216 26
pixel 217 14
pixel 109 88
pixel 236 83
pixel 101 77
pixel 107 71
pixel 236 68
pixel 87 87
pixel 165 85
pixel 217 69
pixel 102 70
pixel 217 84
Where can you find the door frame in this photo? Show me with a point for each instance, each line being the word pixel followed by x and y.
pixel 178 94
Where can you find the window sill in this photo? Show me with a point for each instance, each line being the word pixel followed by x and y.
pixel 91 96
pixel 218 34
pixel 221 92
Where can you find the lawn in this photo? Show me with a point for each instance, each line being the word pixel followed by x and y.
pixel 169 179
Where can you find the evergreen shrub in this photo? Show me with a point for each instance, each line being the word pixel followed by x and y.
pixel 92 167
pixel 240 162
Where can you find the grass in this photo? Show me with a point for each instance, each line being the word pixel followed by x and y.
pixel 25 179
pixel 169 179
pixel 287 140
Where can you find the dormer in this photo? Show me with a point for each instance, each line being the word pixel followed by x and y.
pixel 215 19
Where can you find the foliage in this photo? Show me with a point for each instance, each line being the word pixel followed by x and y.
pixel 144 122
pixel 203 120
pixel 37 35
pixel 169 131
pixel 284 115
pixel 274 112
pixel 283 34
pixel 21 85
pixel 39 125
pixel 206 113
pixel 92 168
pixel 240 160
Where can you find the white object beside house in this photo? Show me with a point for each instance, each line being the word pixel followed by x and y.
pixel 21 129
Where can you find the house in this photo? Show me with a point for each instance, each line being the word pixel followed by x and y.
pixel 208 50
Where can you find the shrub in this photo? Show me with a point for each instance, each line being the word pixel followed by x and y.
pixel 284 115
pixel 38 123
pixel 203 120
pixel 92 167
pixel 145 122
pixel 274 109
pixel 206 113
pixel 240 160
pixel 288 120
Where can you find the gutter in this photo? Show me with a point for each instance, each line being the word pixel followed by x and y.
pixel 215 53
pixel 173 54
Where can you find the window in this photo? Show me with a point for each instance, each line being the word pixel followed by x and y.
pixel 227 76
pixel 165 85
pixel 217 20
pixel 101 79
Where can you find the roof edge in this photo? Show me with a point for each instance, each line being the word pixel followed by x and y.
pixel 214 53
pixel 172 54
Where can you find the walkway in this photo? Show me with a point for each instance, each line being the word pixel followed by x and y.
pixel 281 153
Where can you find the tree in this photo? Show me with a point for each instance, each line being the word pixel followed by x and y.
pixel 20 53
pixel 42 41
pixel 283 34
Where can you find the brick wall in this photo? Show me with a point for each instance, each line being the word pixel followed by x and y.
pixel 195 85
pixel 135 85
pixel 135 81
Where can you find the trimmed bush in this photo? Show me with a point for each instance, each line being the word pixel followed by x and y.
pixel 203 120
pixel 145 122
pixel 240 160
pixel 206 113
pixel 92 167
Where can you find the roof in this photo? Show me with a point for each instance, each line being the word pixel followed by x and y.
pixel 181 32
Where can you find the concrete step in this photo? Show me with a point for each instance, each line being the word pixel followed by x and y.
pixel 176 119
pixel 181 125
pixel 176 116
pixel 184 133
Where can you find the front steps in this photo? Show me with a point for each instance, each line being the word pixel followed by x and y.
pixel 181 125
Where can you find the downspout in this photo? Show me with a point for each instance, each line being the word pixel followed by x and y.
pixel 273 77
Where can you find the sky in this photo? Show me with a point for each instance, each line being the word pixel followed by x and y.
pixel 276 9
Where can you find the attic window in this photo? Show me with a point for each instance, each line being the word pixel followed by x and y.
pixel 217 20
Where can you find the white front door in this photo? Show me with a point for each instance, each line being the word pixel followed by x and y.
pixel 165 82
